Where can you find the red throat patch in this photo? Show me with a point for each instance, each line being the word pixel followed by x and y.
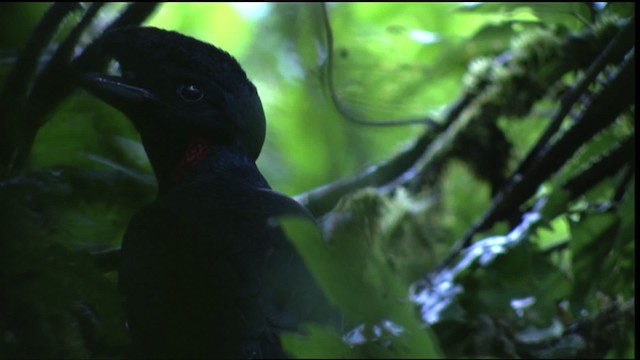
pixel 196 151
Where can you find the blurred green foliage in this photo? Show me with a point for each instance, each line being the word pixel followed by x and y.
pixel 382 69
pixel 87 174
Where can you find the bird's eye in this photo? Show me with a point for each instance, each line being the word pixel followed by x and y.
pixel 190 92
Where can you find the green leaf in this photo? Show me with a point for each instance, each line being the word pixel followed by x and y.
pixel 619 265
pixel 556 204
pixel 317 343
pixel 556 232
pixel 592 151
pixel 494 38
pixel 356 278
pixel 571 14
pixel 592 238
pixel 624 9
pixel 519 273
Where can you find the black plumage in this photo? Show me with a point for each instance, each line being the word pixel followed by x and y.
pixel 205 271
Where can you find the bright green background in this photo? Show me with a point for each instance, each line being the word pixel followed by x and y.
pixel 393 61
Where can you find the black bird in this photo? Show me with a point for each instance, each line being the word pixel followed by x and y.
pixel 204 271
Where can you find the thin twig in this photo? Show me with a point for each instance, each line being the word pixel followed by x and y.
pixel 16 86
pixel 51 86
pixel 334 97
pixel 59 73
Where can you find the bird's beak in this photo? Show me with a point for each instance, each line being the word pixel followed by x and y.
pixel 116 91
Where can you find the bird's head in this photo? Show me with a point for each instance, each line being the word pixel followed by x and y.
pixel 178 90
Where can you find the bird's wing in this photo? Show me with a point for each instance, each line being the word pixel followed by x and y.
pixel 294 294
pixel 209 270
pixel 187 291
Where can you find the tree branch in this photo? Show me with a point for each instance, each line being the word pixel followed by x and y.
pixel 619 45
pixel 602 111
pixel 322 199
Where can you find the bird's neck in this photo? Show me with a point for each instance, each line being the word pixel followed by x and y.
pixel 175 161
pixel 197 149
